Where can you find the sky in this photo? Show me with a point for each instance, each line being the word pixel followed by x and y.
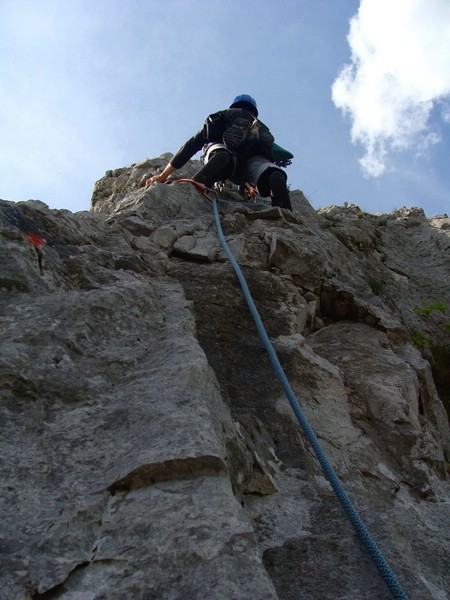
pixel 357 90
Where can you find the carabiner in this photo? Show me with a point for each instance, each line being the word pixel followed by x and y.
pixel 205 191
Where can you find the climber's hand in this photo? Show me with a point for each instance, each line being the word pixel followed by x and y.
pixel 160 178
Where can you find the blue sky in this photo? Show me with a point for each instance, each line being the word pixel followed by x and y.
pixel 359 91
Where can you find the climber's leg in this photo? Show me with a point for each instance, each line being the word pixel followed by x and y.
pixel 218 168
pixel 272 183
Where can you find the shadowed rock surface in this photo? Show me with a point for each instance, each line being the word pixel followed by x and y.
pixel 147 448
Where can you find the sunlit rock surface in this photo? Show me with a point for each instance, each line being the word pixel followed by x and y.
pixel 148 450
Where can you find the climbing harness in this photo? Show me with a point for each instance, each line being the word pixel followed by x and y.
pixel 363 533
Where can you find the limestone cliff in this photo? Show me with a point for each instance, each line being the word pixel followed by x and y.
pixel 148 451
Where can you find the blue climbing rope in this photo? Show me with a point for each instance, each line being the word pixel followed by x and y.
pixel 363 533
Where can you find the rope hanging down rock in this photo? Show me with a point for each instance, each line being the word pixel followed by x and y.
pixel 363 533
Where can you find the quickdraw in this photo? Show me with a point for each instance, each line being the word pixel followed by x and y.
pixel 249 192
pixel 207 192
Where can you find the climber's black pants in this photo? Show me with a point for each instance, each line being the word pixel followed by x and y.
pixel 271 183
pixel 218 168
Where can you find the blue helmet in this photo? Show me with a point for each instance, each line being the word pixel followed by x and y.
pixel 243 101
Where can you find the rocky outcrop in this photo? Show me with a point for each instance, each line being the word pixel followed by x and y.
pixel 148 450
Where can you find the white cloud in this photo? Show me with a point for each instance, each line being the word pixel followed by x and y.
pixel 400 68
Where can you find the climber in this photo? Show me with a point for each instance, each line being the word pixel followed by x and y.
pixel 237 146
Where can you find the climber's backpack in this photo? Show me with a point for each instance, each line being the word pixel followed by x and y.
pixel 280 156
pixel 236 126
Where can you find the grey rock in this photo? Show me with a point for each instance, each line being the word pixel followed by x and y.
pixel 148 450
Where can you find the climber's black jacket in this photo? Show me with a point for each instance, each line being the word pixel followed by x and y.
pixel 187 150
pixel 212 132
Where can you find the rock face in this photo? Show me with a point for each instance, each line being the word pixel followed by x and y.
pixel 148 450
